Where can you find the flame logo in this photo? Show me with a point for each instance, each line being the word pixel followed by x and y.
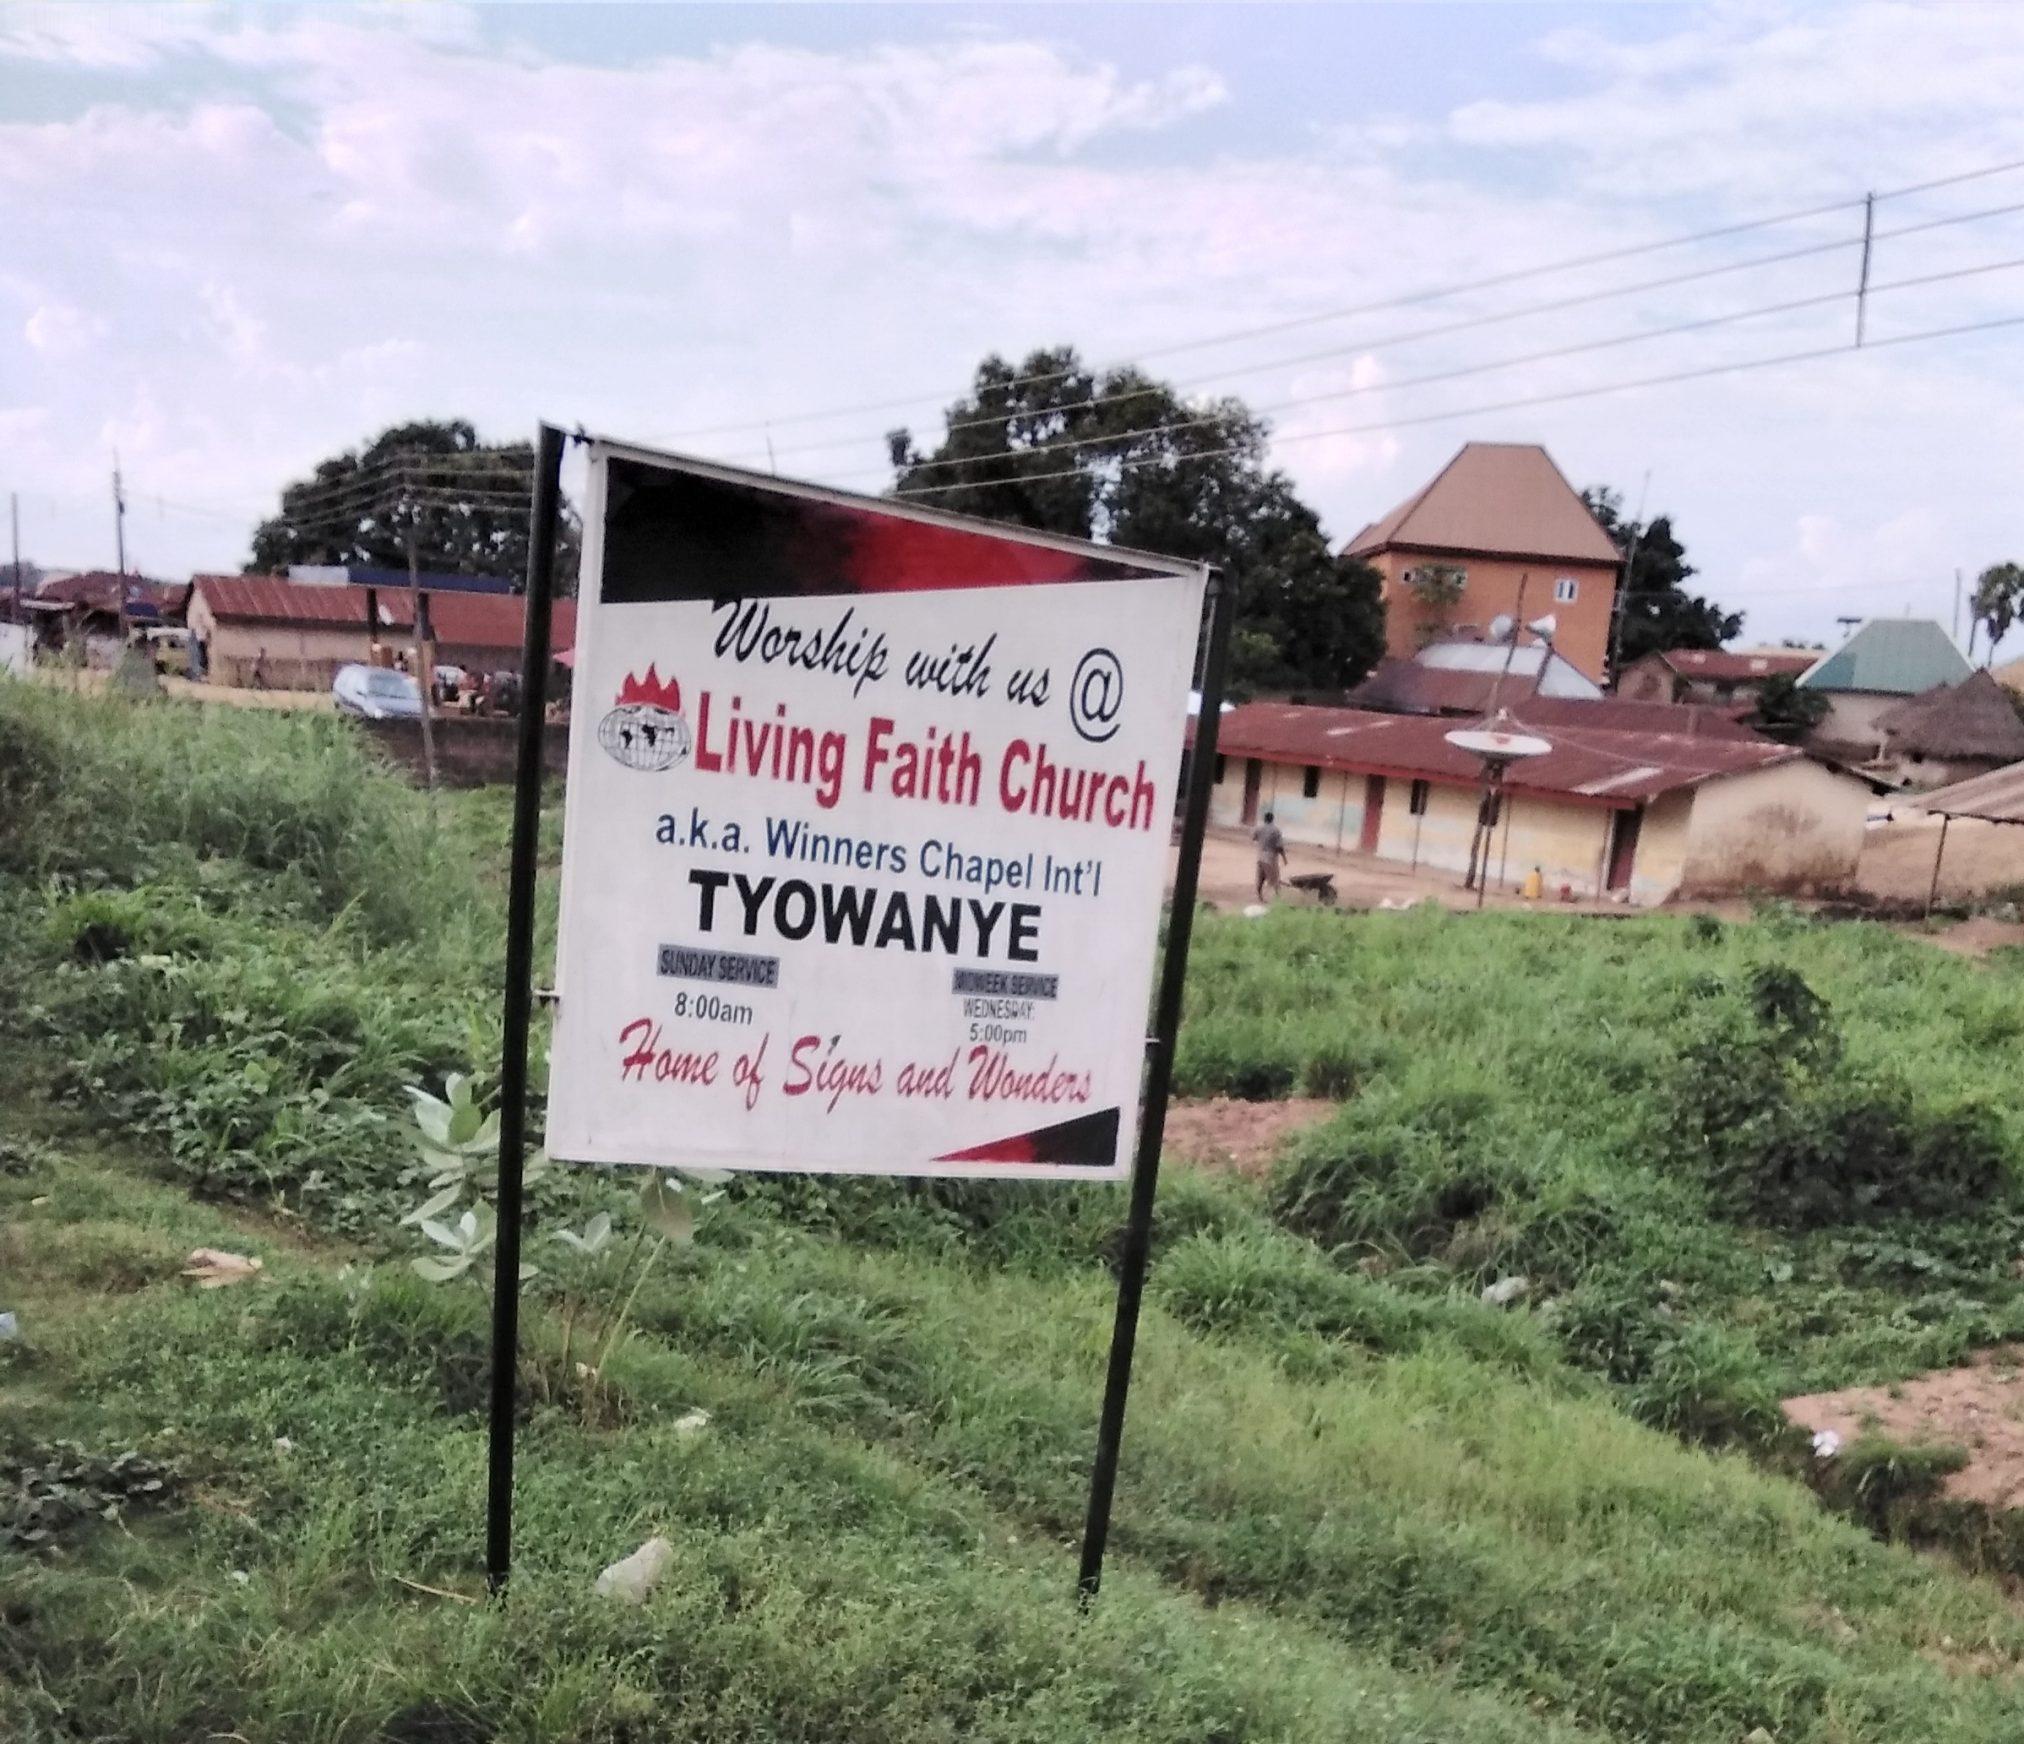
pixel 651 690
pixel 644 728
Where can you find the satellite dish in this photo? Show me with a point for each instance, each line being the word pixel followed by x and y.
pixel 1498 740
pixel 1482 742
pixel 1501 627
pixel 1544 628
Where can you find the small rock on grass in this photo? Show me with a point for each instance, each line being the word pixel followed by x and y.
pixel 214 1268
pixel 1505 1291
pixel 631 1578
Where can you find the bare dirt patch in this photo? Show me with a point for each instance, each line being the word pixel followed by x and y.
pixel 1975 937
pixel 1978 1407
pixel 1220 1132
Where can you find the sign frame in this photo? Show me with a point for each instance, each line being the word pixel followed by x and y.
pixel 668 541
pixel 519 994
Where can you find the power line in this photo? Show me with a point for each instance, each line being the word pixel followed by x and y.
pixel 1067 445
pixel 1497 406
pixel 1517 275
pixel 1495 318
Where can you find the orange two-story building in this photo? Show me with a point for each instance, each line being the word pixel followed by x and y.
pixel 1500 514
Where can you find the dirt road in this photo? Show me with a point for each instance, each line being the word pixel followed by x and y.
pixel 1360 881
pixel 182 690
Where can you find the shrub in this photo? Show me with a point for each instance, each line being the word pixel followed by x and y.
pixel 104 789
pixel 1791 1134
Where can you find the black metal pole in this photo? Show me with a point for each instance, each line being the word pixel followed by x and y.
pixel 519 1003
pixel 1145 1180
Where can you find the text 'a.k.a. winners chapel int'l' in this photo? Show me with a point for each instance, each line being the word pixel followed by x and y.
pixel 866 836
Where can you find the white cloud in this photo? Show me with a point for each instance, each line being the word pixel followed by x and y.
pixel 57 330
pixel 1776 104
pixel 357 216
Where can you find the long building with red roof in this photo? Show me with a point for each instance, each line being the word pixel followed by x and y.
pixel 299 633
pixel 1641 811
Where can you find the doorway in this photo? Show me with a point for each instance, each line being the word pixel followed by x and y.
pixel 1373 813
pixel 1254 777
pixel 1623 847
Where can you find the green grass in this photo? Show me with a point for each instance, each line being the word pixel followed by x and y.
pixel 1356 1503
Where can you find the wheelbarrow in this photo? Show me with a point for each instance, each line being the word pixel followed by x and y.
pixel 1319 885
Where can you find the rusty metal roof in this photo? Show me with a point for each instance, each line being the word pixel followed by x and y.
pixel 1997 797
pixel 1724 666
pixel 468 620
pixel 99 590
pixel 1592 765
pixel 1406 687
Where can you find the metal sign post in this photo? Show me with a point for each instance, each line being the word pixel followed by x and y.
pixel 997 754
pixel 1145 1180
pixel 519 1004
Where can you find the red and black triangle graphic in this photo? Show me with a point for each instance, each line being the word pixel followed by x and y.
pixel 1089 1141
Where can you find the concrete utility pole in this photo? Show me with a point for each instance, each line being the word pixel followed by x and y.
pixel 14 520
pixel 119 541
pixel 1862 280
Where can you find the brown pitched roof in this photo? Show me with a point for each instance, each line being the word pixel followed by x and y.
pixel 465 620
pixel 1726 667
pixel 1971 719
pixel 1494 499
pixel 1588 765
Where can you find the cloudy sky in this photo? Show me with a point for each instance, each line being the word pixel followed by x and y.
pixel 239 239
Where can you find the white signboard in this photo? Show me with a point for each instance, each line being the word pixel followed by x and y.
pixel 866 833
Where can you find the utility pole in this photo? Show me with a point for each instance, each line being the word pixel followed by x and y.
pixel 1862 282
pixel 14 520
pixel 1622 600
pixel 119 541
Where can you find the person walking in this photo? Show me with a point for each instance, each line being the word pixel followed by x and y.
pixel 1271 846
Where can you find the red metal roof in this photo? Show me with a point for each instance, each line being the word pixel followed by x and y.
pixel 1726 667
pixel 1589 765
pixel 268 599
pixel 465 620
pixel 99 590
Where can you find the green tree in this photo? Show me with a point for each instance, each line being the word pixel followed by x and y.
pixel 464 503
pixel 1438 589
pixel 1998 600
pixel 1118 456
pixel 1657 611
pixel 1785 710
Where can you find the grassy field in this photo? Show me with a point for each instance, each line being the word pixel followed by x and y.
pixel 1356 1503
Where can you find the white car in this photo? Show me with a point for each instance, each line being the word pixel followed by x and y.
pixel 377 693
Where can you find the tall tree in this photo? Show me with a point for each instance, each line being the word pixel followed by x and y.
pixel 1657 610
pixel 465 504
pixel 1998 600
pixel 1119 456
